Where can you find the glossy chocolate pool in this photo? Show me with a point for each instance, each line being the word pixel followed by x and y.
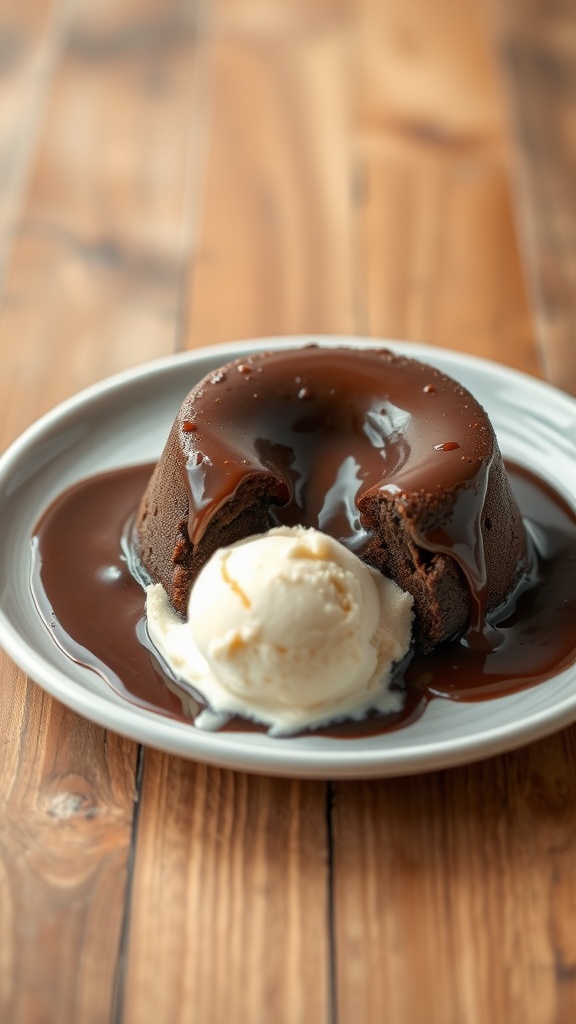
pixel 85 591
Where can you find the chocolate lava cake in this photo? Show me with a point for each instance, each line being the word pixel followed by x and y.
pixel 385 453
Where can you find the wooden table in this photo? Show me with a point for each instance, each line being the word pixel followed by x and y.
pixel 176 174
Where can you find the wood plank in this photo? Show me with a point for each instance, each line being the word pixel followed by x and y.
pixel 444 895
pixel 230 896
pixel 436 236
pixel 95 285
pixel 535 45
pixel 465 881
pixel 66 806
pixel 31 37
pixel 276 243
pixel 96 282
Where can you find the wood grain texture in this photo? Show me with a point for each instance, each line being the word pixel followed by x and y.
pixel 31 38
pixel 442 904
pixel 275 252
pixel 466 882
pixel 230 899
pixel 66 805
pixel 97 267
pixel 94 285
pixel 436 239
pixel 536 44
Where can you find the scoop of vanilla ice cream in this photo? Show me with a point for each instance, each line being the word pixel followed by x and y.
pixel 289 628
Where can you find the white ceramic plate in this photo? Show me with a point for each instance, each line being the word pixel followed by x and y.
pixel 126 420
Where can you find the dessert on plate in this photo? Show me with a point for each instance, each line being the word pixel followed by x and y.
pixel 386 454
pixel 330 531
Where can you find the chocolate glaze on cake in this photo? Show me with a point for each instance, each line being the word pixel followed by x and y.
pixel 392 457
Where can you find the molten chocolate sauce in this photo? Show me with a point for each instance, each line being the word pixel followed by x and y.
pixel 84 588
pixel 316 403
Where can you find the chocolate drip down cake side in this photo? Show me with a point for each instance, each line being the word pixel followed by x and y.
pixel 384 453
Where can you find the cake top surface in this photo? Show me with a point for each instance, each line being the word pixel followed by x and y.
pixel 331 426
